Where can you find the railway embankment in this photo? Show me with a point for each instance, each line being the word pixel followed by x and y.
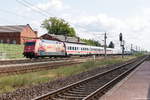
pixel 27 85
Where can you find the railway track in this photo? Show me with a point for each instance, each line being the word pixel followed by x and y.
pixel 36 66
pixel 33 68
pixel 6 62
pixel 93 87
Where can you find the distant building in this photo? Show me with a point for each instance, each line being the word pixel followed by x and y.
pixel 62 38
pixel 16 34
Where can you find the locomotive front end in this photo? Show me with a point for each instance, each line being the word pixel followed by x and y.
pixel 29 49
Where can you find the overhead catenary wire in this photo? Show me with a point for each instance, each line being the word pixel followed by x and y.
pixel 44 11
pixel 27 5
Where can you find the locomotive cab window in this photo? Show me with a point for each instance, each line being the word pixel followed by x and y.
pixel 30 43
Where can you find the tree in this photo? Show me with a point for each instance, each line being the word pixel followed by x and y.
pixel 111 45
pixel 91 42
pixel 58 26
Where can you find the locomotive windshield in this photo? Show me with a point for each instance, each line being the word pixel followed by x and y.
pixel 30 43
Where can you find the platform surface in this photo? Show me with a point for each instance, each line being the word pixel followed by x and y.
pixel 136 86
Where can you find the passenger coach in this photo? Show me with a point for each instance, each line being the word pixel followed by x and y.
pixel 50 48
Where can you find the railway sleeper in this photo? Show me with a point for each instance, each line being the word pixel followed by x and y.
pixel 86 88
pixel 74 95
pixel 56 99
pixel 71 97
pixel 92 84
pixel 77 92
pixel 78 89
pixel 81 92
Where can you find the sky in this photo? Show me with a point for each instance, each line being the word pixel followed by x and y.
pixel 90 18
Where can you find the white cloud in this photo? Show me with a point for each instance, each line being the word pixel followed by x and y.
pixel 52 4
pixel 36 25
pixel 136 29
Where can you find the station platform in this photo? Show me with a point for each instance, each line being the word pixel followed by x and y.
pixel 136 86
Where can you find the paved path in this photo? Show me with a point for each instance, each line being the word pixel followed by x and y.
pixel 135 87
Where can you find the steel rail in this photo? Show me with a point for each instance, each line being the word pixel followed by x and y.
pixel 96 94
pixel 61 90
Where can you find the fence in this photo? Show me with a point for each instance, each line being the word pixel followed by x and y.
pixel 11 51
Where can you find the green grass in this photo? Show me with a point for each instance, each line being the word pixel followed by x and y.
pixel 11 51
pixel 139 54
pixel 10 83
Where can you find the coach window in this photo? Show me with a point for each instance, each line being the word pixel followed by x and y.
pixel 8 40
pixel 14 41
pixel 1 41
